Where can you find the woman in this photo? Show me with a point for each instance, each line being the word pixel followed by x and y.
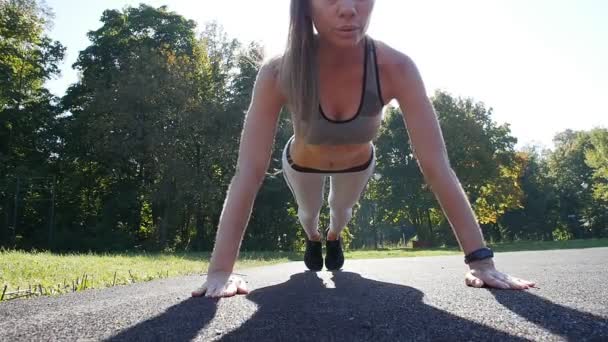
pixel 335 83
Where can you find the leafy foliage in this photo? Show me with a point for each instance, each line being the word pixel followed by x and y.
pixel 139 152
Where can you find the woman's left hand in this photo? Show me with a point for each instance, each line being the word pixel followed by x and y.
pixel 483 273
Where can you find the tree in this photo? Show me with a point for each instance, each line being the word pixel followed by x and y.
pixel 482 155
pixel 28 136
pixel 538 216
pixel 596 157
pixel 573 182
pixel 480 152
pixel 145 85
pixel 153 134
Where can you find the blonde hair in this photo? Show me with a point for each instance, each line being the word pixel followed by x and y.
pixel 298 70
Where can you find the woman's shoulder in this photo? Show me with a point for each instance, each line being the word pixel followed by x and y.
pixel 394 66
pixel 270 68
pixel 269 72
pixel 272 65
pixel 391 57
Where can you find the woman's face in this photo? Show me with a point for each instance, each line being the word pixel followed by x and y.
pixel 342 22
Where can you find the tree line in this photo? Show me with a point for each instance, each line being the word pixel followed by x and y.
pixel 139 152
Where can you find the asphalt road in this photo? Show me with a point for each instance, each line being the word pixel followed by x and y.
pixel 370 300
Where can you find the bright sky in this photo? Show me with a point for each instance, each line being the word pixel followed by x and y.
pixel 542 65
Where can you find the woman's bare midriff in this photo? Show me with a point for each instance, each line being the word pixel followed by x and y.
pixel 329 157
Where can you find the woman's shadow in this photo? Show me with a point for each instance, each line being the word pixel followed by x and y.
pixel 354 308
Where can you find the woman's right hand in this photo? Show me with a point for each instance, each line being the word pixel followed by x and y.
pixel 221 284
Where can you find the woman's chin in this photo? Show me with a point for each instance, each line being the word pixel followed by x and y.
pixel 346 40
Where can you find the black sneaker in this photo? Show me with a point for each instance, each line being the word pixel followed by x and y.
pixel 334 260
pixel 313 257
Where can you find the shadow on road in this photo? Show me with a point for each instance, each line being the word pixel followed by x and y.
pixel 560 320
pixel 181 322
pixel 348 307
pixel 357 309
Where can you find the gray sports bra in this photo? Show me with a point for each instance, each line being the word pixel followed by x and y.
pixel 364 125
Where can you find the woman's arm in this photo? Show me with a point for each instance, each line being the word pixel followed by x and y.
pixel 254 154
pixel 406 85
pixel 430 151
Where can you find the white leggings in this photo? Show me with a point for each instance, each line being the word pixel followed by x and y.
pixel 307 186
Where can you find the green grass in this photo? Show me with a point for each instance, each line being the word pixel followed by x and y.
pixel 546 245
pixel 393 252
pixel 399 253
pixel 60 273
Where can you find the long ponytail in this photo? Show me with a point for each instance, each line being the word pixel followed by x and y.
pixel 298 74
